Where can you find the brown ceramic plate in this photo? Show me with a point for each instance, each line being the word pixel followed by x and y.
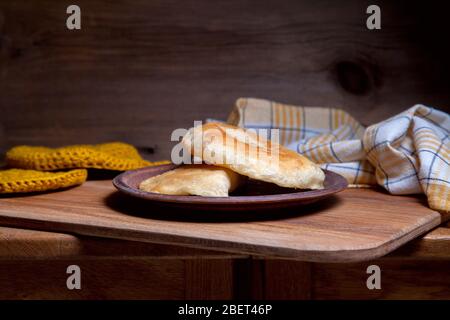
pixel 253 195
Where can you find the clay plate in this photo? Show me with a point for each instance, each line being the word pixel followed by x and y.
pixel 253 195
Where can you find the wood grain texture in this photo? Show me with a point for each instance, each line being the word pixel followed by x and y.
pixel 101 279
pixel 21 244
pixel 118 278
pixel 400 279
pixel 434 245
pixel 357 225
pixel 208 279
pixel 135 71
pixel 411 279
pixel 286 280
pixel 141 278
pixel 406 274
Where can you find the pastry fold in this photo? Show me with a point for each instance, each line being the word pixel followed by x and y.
pixel 200 180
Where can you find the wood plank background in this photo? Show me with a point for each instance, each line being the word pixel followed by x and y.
pixel 138 69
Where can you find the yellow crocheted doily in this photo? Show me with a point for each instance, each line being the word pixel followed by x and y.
pixel 18 180
pixel 110 156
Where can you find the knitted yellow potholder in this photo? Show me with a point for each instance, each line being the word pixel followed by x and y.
pixel 109 156
pixel 19 180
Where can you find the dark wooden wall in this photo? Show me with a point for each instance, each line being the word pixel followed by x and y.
pixel 138 69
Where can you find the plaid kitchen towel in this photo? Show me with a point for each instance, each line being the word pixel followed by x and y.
pixel 406 154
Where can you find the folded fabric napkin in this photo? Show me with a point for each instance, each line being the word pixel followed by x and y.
pixel 405 154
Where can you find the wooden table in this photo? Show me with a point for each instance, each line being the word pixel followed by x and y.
pixel 356 225
pixel 33 265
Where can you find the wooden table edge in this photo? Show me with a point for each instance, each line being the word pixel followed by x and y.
pixel 290 254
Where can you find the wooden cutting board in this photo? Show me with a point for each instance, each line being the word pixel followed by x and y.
pixel 355 225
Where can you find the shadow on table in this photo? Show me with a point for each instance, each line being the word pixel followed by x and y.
pixel 154 210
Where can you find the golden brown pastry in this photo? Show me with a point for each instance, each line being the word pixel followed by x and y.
pixel 201 180
pixel 251 155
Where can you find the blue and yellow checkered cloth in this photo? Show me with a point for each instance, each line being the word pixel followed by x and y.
pixel 405 154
